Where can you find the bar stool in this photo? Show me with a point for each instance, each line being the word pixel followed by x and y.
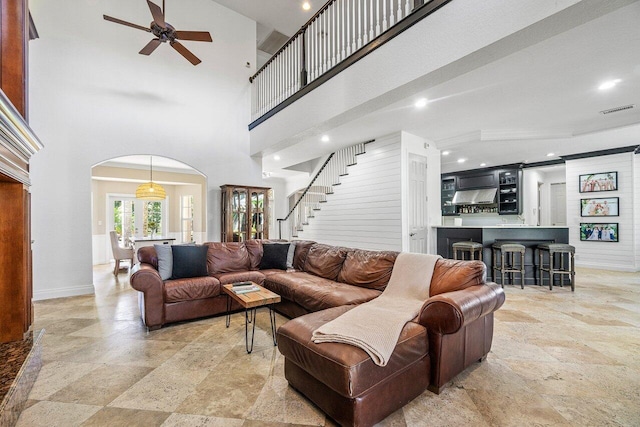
pixel 467 247
pixel 561 249
pixel 506 265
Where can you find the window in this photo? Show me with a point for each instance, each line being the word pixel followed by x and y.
pixel 186 218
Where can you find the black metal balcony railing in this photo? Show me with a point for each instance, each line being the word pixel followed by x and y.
pixel 338 35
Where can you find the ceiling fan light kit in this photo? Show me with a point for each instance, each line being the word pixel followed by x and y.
pixel 165 32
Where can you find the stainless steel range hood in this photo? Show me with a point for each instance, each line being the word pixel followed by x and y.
pixel 475 197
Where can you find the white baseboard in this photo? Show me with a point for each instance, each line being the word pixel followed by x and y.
pixel 610 267
pixel 63 292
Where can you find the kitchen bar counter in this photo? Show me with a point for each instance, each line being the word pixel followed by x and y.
pixel 529 236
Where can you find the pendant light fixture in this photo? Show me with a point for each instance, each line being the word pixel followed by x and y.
pixel 150 190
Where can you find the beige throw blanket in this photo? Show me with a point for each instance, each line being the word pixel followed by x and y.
pixel 375 326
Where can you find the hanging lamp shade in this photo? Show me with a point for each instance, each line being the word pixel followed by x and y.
pixel 150 190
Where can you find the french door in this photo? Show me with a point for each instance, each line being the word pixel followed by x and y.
pixel 131 217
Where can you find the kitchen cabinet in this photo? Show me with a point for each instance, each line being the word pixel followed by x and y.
pixel 446 194
pixel 509 192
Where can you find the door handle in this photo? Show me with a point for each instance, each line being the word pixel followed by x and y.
pixel 412 234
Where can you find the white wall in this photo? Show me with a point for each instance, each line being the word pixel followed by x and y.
pixel 365 210
pixel 529 196
pixel 621 255
pixel 636 206
pixel 93 98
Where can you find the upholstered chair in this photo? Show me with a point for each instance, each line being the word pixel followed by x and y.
pixel 120 253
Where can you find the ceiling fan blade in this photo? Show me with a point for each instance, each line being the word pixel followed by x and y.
pixel 150 47
pixel 198 36
pixel 185 52
pixel 158 16
pixel 128 24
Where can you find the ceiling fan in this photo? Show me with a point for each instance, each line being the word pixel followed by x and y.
pixel 165 32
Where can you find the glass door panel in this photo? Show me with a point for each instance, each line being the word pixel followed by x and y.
pixel 123 219
pixel 239 215
pixel 257 217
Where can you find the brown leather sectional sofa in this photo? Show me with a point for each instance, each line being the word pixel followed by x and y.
pixel 453 330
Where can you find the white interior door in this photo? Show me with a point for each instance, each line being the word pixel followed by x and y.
pixel 558 208
pixel 417 204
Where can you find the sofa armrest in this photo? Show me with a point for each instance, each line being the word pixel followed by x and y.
pixel 146 279
pixel 449 312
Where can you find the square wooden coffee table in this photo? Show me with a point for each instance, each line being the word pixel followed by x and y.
pixel 251 301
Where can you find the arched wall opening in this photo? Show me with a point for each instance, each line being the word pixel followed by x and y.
pixel 181 216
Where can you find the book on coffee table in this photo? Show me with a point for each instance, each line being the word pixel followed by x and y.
pixel 243 290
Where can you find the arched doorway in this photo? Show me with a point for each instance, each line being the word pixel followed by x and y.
pixel 181 216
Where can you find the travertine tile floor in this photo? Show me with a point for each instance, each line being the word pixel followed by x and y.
pixel 558 358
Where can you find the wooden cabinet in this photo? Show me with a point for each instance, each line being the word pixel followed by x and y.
pixel 447 192
pixel 245 213
pixel 16 315
pixel 509 192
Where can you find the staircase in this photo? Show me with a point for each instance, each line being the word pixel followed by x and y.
pixel 312 197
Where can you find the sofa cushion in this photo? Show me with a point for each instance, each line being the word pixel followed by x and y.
pixel 254 249
pixel 189 261
pixel 346 369
pixel 227 257
pixel 274 256
pixel 300 253
pixel 240 276
pixel 453 275
pixel 316 293
pixel 191 289
pixel 325 261
pixel 369 269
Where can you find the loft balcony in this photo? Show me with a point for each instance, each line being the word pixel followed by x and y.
pixel 338 35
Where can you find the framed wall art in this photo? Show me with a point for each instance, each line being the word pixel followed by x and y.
pixel 602 181
pixel 606 206
pixel 599 232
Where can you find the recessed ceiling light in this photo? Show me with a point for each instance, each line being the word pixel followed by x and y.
pixel 462 160
pixel 325 138
pixel 483 164
pixel 551 154
pixel 276 157
pixel 446 153
pixel 421 103
pixel 609 84
pixel 306 5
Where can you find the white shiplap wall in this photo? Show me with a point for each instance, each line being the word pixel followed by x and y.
pixel 605 255
pixel 365 210
pixel 636 206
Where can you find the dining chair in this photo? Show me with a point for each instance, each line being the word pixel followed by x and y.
pixel 120 253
